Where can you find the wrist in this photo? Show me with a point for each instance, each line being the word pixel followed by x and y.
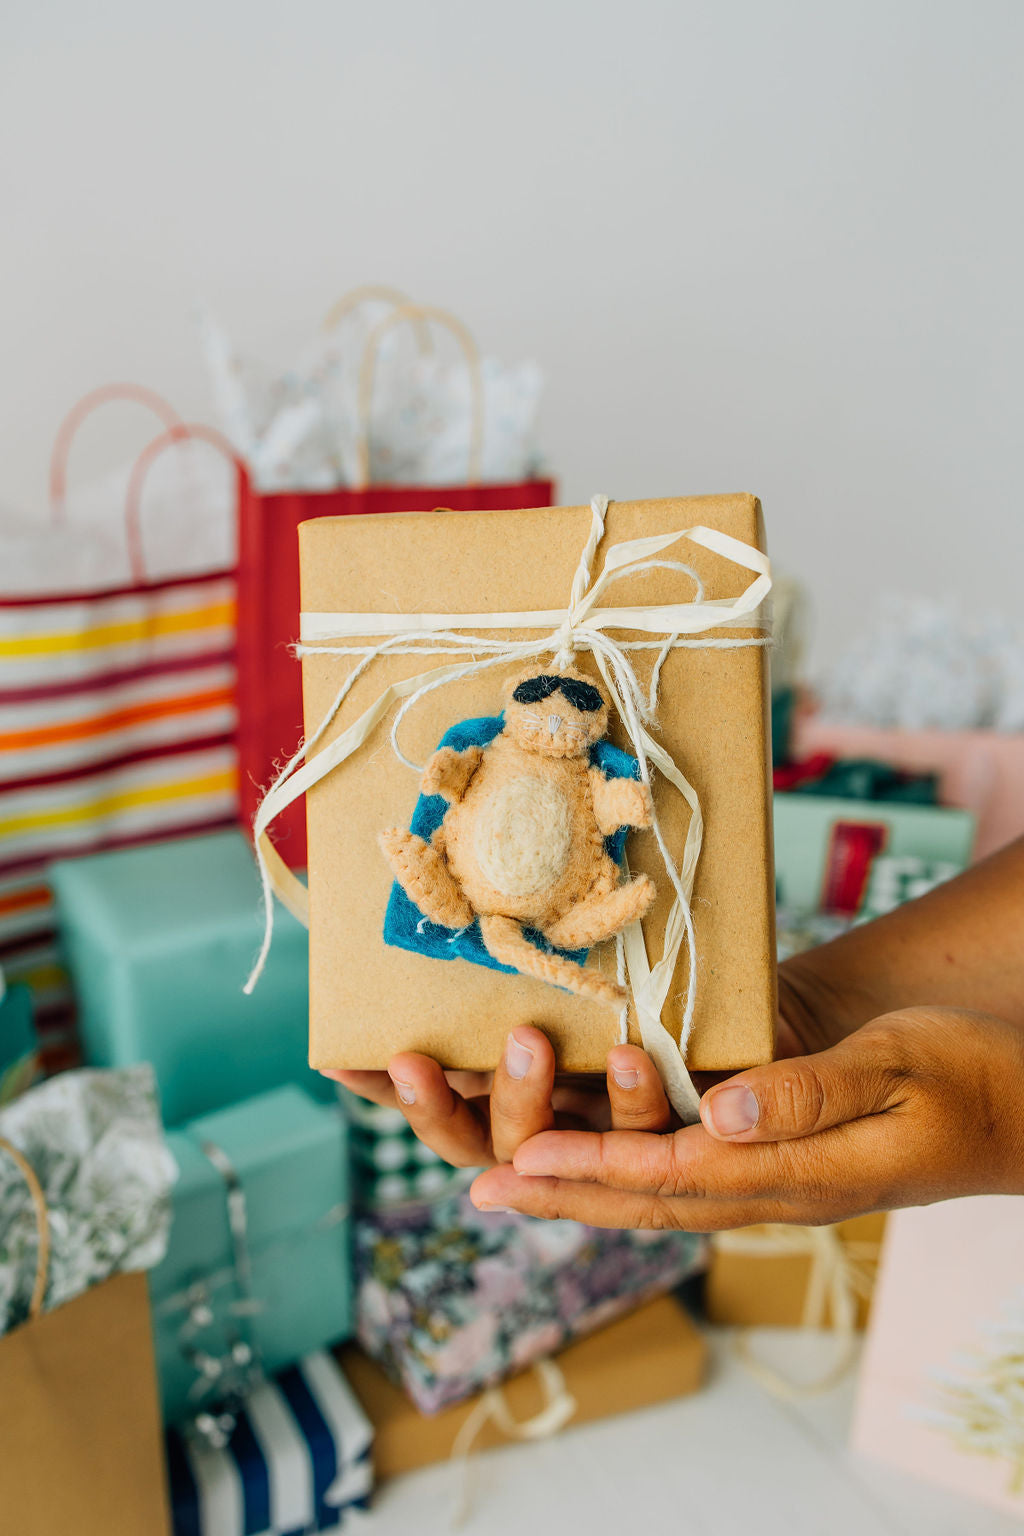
pixel 816 998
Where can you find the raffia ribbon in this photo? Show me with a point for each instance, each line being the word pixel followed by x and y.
pixel 586 625
pixel 841 1273
pixel 492 1408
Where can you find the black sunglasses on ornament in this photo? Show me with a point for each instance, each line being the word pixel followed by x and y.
pixel 582 696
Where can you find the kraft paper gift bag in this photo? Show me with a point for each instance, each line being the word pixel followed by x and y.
pixel 80 1432
pixel 477 585
pixel 333 463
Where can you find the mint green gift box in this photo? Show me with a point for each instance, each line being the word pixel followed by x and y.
pixel 289 1156
pixel 159 941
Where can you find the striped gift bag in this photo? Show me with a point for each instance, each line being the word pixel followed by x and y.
pixel 117 694
pixel 296 1460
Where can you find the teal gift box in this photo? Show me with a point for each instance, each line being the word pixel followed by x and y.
pixel 159 941
pixel 19 1062
pixel 257 1266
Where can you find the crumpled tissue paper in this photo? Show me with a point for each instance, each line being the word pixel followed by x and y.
pixel 96 1145
pixel 300 428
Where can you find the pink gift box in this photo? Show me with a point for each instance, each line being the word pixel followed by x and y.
pixel 980 771
pixel 942 1380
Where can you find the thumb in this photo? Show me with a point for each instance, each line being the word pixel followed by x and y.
pixel 803 1094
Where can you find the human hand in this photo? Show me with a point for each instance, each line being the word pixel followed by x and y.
pixel 475 1120
pixel 915 1106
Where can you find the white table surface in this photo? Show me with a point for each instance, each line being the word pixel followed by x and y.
pixel 727 1461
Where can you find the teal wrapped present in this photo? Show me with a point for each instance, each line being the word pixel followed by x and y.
pixel 19 1053
pixel 159 941
pixel 257 1269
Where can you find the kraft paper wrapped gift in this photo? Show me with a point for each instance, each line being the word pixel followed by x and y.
pixel 159 941
pixel 653 1355
pixel 286 1154
pixel 368 999
pixel 790 1277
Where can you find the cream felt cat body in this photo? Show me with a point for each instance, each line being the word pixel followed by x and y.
pixel 522 843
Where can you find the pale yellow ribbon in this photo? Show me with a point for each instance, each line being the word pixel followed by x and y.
pixel 492 1408
pixel 583 625
pixel 841 1273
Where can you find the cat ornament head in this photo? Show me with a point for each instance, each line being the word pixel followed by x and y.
pixel 556 714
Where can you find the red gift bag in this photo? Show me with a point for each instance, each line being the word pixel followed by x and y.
pixel 269 681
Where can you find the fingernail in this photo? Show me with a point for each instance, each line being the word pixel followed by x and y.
pixel 406 1092
pixel 506 1210
pixel 733 1110
pixel 626 1077
pixel 518 1059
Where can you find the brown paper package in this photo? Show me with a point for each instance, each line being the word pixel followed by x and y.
pixel 81 1444
pixel 369 1000
pixel 651 1356
pixel 753 1292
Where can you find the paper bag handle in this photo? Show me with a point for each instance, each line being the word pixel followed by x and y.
pixel 417 314
pixel 383 293
pixel 35 1189
pixel 180 431
pixel 138 393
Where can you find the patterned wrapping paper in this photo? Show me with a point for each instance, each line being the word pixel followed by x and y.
pixel 452 1299
pixel 95 1142
pixel 391 1166
pixel 297 1460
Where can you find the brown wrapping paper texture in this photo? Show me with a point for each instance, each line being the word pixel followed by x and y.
pixel 754 1291
pixel 81 1443
pixel 650 1357
pixel 369 1000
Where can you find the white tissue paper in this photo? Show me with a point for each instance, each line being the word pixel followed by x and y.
pixel 186 522
pixel 918 664
pixel 300 429
pixel 95 1142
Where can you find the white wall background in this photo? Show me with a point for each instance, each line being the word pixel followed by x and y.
pixel 769 245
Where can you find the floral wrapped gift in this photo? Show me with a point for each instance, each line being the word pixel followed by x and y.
pixel 451 1299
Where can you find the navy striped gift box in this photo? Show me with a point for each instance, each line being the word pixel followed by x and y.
pixel 297 1460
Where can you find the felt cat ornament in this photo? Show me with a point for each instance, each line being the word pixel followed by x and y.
pixel 525 844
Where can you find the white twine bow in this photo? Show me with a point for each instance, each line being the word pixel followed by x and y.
pixel 584 626
pixel 491 1407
